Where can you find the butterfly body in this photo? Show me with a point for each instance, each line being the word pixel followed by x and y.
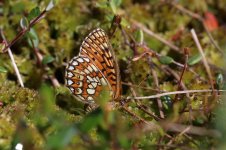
pixel 94 69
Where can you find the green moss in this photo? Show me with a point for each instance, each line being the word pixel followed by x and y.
pixel 45 115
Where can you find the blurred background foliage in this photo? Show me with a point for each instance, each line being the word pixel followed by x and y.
pixel 45 115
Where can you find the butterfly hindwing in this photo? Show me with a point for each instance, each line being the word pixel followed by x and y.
pixel 84 79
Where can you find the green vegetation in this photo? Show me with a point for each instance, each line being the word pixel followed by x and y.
pixel 156 53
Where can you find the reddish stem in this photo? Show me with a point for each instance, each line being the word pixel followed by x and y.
pixel 24 30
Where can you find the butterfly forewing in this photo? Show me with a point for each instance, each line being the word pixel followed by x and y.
pixel 96 47
pixel 84 79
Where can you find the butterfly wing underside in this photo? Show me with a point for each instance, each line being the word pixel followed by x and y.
pixel 94 68
pixel 96 46
pixel 84 79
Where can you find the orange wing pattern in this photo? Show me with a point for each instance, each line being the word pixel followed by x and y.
pixel 94 68
pixel 84 79
pixel 96 46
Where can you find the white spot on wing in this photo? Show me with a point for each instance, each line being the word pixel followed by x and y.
pixel 84 50
pixel 105 45
pixel 90 91
pixel 103 33
pixel 96 34
pixel 90 98
pixel 89 68
pixel 89 40
pixel 86 71
pixel 75 63
pixel 102 47
pixel 86 44
pixel 80 60
pixel 78 91
pixel 103 81
pixel 90 86
pixel 81 77
pixel 92 37
pixel 78 72
pixel 69 82
pixel 72 90
pixel 71 68
pixel 94 68
pixel 95 79
pixel 94 84
pixel 89 78
pixel 80 97
pixel 69 74
pixel 86 59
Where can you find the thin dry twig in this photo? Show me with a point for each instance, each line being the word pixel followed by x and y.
pixel 184 69
pixel 180 134
pixel 181 128
pixel 145 88
pixel 12 60
pixel 211 39
pixel 158 37
pixel 134 115
pixel 54 81
pixel 151 125
pixel 204 60
pixel 174 127
pixel 155 77
pixel 141 107
pixel 175 92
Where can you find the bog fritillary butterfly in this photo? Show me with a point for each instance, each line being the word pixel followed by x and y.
pixel 94 68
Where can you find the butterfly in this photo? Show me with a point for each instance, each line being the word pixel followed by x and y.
pixel 94 69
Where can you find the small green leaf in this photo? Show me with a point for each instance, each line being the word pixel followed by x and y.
pixel 114 4
pixel 194 59
pixel 219 81
pixel 33 13
pixel 24 23
pixel 166 60
pixel 33 37
pixel 139 35
pixel 47 59
pixel 51 4
pixel 2 70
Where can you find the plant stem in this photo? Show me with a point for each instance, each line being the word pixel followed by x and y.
pixel 175 92
pixel 12 60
